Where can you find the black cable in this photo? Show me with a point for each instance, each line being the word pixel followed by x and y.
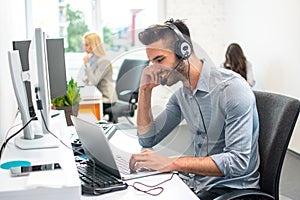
pixel 13 135
pixel 39 104
pixel 11 129
pixel 53 133
pixel 203 123
pixel 189 69
pixel 199 108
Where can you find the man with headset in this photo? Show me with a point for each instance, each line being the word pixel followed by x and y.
pixel 218 106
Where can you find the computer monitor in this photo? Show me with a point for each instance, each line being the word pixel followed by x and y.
pixel 23 47
pixel 56 67
pixel 34 137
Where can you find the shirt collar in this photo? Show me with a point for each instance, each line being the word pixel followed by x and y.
pixel 203 82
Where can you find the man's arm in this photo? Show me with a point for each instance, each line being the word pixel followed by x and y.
pixel 197 165
pixel 149 80
pixel 204 166
pixel 144 112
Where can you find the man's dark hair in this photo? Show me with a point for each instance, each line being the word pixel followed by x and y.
pixel 162 32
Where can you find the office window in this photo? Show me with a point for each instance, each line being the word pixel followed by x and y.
pixel 118 23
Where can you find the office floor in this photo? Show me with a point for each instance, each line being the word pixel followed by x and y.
pixel 289 187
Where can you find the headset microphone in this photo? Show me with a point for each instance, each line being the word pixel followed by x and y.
pixel 165 80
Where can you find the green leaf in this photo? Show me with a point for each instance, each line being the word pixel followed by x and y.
pixel 71 98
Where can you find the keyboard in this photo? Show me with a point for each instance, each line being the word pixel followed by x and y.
pixel 123 165
pixel 96 181
pixel 109 129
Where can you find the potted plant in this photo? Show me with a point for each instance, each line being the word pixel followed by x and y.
pixel 68 102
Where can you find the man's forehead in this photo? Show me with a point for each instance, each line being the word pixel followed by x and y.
pixel 156 53
pixel 157 50
pixel 157 46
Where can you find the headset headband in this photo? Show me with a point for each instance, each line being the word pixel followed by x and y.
pixel 183 48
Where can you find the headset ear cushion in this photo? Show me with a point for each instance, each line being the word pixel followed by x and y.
pixel 182 49
pixel 178 51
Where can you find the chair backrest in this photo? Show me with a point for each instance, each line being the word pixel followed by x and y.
pixel 277 116
pixel 128 79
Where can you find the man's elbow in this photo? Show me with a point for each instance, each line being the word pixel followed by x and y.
pixel 145 143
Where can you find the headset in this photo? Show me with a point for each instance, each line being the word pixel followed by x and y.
pixel 183 49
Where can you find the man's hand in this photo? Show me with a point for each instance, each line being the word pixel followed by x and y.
pixel 152 76
pixel 151 160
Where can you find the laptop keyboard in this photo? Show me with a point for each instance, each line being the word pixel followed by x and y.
pixel 109 129
pixel 96 181
pixel 123 165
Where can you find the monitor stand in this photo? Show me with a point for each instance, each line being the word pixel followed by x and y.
pixel 39 142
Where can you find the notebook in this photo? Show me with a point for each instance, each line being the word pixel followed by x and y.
pixel 106 156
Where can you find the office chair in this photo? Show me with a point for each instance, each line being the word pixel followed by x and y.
pixel 277 117
pixel 127 85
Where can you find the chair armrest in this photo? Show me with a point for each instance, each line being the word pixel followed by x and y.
pixel 243 193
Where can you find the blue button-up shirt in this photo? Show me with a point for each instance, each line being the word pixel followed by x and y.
pixel 227 130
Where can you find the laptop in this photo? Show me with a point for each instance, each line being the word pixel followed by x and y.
pixel 108 128
pixel 96 146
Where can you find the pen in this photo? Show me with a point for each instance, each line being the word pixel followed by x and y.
pixel 54 115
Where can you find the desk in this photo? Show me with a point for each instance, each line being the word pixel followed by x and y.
pixel 65 185
pixel 47 185
pixel 91 101
pixel 174 189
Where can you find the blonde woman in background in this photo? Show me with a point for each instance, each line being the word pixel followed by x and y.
pixel 98 70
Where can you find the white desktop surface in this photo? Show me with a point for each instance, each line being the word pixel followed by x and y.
pixel 90 93
pixel 57 184
pixel 174 189
pixel 64 184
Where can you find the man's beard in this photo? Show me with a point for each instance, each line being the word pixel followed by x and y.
pixel 180 74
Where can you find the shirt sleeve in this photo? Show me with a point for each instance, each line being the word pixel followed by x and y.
pixel 95 74
pixel 239 102
pixel 163 124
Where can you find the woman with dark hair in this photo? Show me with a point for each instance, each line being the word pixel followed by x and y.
pixel 237 62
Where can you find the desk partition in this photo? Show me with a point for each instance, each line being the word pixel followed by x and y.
pixel 91 101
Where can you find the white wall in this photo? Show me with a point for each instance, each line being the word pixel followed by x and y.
pixel 267 30
pixel 12 21
pixel 206 20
